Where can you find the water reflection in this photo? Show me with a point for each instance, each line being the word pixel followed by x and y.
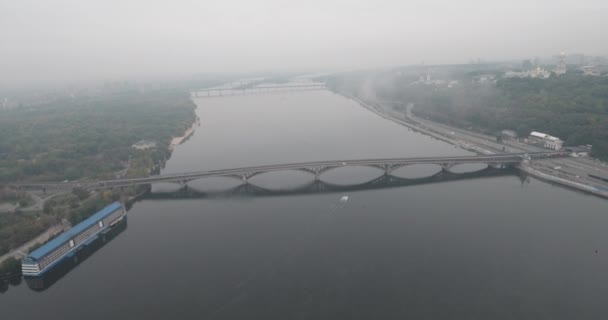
pixel 320 186
pixel 467 167
pixel 417 171
pixel 214 184
pixel 14 281
pixel 351 175
pixel 282 180
pixel 52 276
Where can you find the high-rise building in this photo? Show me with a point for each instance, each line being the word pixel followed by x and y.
pixel 561 64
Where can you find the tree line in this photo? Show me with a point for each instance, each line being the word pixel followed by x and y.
pixel 573 107
pixel 85 137
pixel 89 136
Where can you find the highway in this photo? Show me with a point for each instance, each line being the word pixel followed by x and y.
pixel 575 169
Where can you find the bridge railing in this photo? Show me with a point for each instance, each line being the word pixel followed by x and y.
pixel 232 91
pixel 314 166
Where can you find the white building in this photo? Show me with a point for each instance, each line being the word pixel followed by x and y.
pixel 484 78
pixel 545 140
pixel 591 71
pixel 144 145
pixel 561 64
pixel 508 134
pixel 534 73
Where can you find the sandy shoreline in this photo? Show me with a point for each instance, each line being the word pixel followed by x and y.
pixel 179 140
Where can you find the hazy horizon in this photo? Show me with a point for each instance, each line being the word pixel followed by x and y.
pixel 62 41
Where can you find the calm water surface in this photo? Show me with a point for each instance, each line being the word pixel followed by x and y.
pixel 492 248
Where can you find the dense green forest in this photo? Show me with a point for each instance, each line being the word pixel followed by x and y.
pixel 78 138
pixel 572 107
pixel 87 136
pixel 10 266
pixel 17 228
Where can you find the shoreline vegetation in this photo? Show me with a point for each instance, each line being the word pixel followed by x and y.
pixel 83 138
pixel 525 168
pixel 572 106
pixel 187 134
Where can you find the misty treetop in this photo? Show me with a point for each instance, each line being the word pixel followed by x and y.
pixel 572 106
pixel 87 136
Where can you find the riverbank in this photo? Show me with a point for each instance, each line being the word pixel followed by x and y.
pixel 402 120
pixel 561 181
pixel 412 124
pixel 189 132
pixel 80 155
pixel 21 251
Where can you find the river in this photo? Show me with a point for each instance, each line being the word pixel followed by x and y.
pixel 490 248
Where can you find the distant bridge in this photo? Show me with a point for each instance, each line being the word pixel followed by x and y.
pixel 316 168
pixel 239 91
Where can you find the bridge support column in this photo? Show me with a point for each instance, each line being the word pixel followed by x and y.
pixel 445 167
pixel 317 173
pixel 388 168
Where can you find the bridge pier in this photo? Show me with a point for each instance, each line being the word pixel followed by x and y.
pixel 445 167
pixel 317 173
pixel 497 165
pixel 315 167
pixel 389 168
pixel 245 177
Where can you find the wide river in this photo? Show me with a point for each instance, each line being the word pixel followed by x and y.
pixel 488 248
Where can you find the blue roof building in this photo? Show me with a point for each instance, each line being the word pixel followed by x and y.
pixel 83 233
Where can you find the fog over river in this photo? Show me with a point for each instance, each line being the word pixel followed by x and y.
pixel 493 248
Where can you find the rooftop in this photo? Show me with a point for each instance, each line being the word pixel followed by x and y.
pixel 66 236
pixel 538 134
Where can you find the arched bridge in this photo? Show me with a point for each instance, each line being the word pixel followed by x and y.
pixel 320 186
pixel 238 91
pixel 316 168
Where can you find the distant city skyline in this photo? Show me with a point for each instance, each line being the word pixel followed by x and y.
pixel 63 41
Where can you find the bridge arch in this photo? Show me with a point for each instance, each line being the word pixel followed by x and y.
pixel 467 167
pixel 215 184
pixel 319 168
pixel 282 179
pixel 306 170
pixel 416 171
pixel 371 175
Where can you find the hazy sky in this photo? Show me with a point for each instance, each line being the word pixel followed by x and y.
pixel 44 40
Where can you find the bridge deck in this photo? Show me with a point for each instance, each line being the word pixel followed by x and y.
pixel 315 167
pixel 320 86
pixel 238 91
